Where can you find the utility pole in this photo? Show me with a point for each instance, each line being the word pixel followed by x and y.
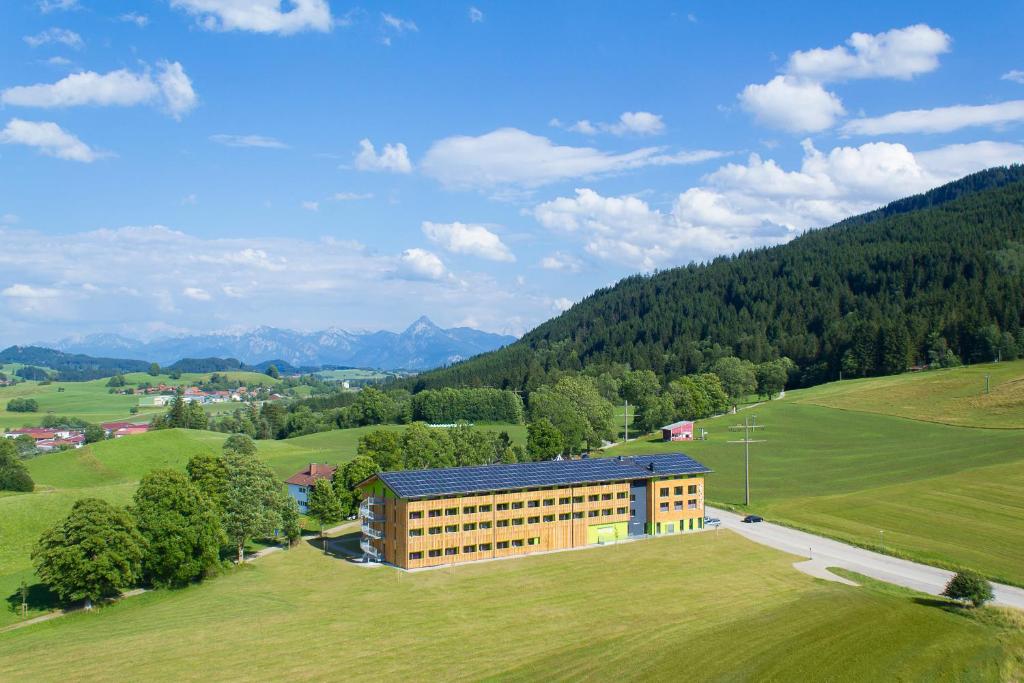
pixel 747 425
pixel 987 376
pixel 625 422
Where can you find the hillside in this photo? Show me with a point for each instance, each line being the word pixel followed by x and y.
pixel 862 296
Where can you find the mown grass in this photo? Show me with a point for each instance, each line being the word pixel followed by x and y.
pixel 942 494
pixel 706 607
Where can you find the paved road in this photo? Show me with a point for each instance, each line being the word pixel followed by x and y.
pixel 828 553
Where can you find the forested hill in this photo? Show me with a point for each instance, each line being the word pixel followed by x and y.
pixel 872 294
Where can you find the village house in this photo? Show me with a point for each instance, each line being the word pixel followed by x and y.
pixel 678 431
pixel 301 483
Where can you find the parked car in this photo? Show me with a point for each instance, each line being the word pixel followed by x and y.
pixel 712 521
pixel 753 519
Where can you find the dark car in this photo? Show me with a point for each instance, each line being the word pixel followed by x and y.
pixel 753 519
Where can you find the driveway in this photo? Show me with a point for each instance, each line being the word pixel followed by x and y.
pixel 825 552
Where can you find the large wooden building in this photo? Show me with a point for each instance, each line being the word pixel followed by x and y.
pixel 423 518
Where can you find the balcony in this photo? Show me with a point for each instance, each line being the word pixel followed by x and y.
pixel 371 532
pixel 366 509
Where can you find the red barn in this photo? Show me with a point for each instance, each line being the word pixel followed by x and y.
pixel 678 431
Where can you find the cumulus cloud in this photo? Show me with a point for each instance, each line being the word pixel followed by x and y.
pixel 561 304
pixel 792 104
pixel 509 156
pixel 140 20
pixel 48 138
pixel 900 53
pixel 561 261
pixel 1015 75
pixel 351 196
pixel 473 240
pixel 259 16
pixel 420 264
pixel 60 36
pixel 23 291
pixel 398 24
pixel 938 120
pixel 47 6
pixel 196 294
pixel 630 122
pixel 742 206
pixel 475 15
pixel 393 158
pixel 172 89
pixel 247 141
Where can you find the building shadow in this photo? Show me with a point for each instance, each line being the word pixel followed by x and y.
pixel 343 547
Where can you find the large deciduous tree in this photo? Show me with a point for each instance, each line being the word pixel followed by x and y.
pixel 323 504
pixel 543 440
pixel 251 504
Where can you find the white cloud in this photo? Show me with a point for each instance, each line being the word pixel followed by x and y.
pixel 509 156
pixel 561 261
pixel 140 20
pixel 394 158
pixel 58 61
pixel 259 16
pixel 398 24
pixel 1015 75
pixel 49 138
pixel 420 264
pixel 474 240
pixel 900 53
pixel 190 199
pixel 351 196
pixel 22 291
pixel 475 15
pixel 630 122
pixel 311 206
pixel 172 89
pixel 561 304
pixel 56 35
pixel 196 294
pixel 47 6
pixel 938 120
pixel 792 104
pixel 742 206
pixel 248 141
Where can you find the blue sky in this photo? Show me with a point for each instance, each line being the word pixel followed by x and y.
pixel 185 166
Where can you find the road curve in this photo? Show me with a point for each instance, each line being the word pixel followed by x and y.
pixel 920 577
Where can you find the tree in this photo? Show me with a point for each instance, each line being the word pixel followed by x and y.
pixel 14 475
pixel 154 369
pixel 94 433
pixel 969 586
pixel 638 385
pixel 383 447
pixel 93 553
pixel 195 416
pixel 251 504
pixel 116 381
pixel 209 475
pixel 240 443
pixel 323 505
pixel 575 408
pixel 290 520
pixel 273 372
pixel 23 405
pixel 543 440
pixel 893 349
pixel 738 377
pixel 180 527
pixel 346 477
pixel 771 378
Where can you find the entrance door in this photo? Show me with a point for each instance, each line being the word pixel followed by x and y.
pixel 638 508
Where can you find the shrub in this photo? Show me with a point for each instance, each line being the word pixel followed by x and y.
pixel 969 586
pixel 23 405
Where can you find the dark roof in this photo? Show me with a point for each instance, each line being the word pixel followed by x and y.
pixel 464 480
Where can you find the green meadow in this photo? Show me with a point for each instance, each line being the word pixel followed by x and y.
pixel 709 606
pixel 833 462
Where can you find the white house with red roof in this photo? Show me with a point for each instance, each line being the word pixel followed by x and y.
pixel 301 483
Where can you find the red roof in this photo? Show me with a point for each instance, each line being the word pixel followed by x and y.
pixel 36 432
pixel 112 426
pixel 308 476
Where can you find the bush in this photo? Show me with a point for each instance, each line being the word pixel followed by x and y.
pixel 23 405
pixel 13 475
pixel 969 586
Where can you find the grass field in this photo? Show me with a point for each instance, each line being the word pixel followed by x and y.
pixel 709 607
pixel 942 494
pixel 354 374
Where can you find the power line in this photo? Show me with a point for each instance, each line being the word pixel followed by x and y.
pixel 748 424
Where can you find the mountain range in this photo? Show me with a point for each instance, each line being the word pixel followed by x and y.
pixel 420 346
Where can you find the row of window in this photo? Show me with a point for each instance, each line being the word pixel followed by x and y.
pixel 517 505
pixel 517 521
pixel 678 506
pixel 678 491
pixel 473 549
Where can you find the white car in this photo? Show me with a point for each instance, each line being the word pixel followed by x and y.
pixel 712 521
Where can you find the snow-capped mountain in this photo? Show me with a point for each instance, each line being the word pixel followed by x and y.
pixel 421 346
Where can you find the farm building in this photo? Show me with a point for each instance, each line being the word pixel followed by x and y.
pixel 301 483
pixel 678 431
pixel 422 518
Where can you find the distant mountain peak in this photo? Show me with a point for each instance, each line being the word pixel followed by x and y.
pixel 422 325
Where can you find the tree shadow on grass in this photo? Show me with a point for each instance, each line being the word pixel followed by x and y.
pixel 39 598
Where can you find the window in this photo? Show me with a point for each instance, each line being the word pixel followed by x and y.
pixel 577 515
pixel 663 507
pixel 485 525
pixel 434 513
pixel 449 512
pixel 621 495
pixel 620 511
pixel 501 545
pixel 549 518
pixel 593 498
pixel 451 528
pixel 436 552
pixel 593 513
pixel 700 522
pixel 469 510
pixel 577 499
pixel 501 522
pixel 415 532
pixel 632 512
pixel 434 530
pixel 606 496
pixel 533 520
pixel 517 505
pixel 691 505
pixel 502 506
pixel 469 548
pixel 549 502
pixel 518 543
pixel 691 525
pixel 533 541
pixel 564 501
pixel 606 512
pixel 678 505
pixel 663 492
pixel 451 551
pixel 484 547
pixel 632 498
pixel 416 514
pixel 469 526
pixel 692 489
pixel 564 516
pixel 518 521
pixel 418 555
pixel 485 508
pixel 533 504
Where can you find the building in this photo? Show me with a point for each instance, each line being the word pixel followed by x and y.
pixel 301 483
pixel 678 431
pixel 422 518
